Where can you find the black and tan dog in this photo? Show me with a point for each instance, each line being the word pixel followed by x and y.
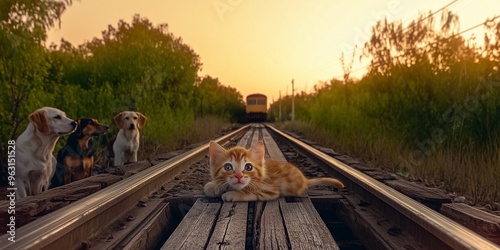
pixel 76 159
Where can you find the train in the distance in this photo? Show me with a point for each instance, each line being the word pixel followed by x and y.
pixel 256 108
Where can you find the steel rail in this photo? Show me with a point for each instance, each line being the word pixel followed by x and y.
pixel 68 227
pixel 448 231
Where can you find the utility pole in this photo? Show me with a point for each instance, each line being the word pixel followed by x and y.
pixel 293 102
pixel 279 116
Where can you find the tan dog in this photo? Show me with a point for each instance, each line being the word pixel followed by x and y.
pixel 35 163
pixel 126 144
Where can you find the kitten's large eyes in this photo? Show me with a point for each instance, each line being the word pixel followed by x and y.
pixel 248 167
pixel 228 167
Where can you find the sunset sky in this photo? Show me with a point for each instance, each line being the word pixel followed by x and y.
pixel 260 46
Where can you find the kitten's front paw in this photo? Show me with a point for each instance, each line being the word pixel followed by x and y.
pixel 230 196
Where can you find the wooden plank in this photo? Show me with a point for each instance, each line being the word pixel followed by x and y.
pixel 272 148
pixel 381 176
pixel 30 208
pixel 363 167
pixel 305 227
pixel 272 233
pixel 194 230
pixel 230 230
pixel 132 168
pixel 141 218
pixel 153 229
pixel 431 197
pixel 257 128
pixel 374 229
pixel 481 222
pixel 246 137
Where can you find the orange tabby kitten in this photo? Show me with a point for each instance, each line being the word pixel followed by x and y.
pixel 240 174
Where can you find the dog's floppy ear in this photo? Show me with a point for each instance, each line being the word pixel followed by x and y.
pixel 39 119
pixel 142 119
pixel 78 130
pixel 119 120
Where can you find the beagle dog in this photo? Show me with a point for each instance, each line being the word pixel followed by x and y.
pixel 75 160
pixel 35 163
pixel 126 144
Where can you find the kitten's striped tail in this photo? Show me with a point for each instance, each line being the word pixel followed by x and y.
pixel 325 181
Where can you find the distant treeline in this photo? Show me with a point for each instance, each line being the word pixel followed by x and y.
pixel 133 66
pixel 428 106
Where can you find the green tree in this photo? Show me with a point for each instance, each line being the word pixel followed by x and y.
pixel 143 58
pixel 23 60
pixel 213 98
pixel 23 65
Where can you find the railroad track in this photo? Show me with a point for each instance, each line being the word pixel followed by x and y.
pixel 68 227
pixel 72 226
pixel 427 226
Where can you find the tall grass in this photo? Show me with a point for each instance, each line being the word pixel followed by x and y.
pixel 445 135
pixel 471 172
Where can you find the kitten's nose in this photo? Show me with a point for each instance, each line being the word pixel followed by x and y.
pixel 238 176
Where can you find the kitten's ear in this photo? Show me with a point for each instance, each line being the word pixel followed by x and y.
pixel 216 152
pixel 258 151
